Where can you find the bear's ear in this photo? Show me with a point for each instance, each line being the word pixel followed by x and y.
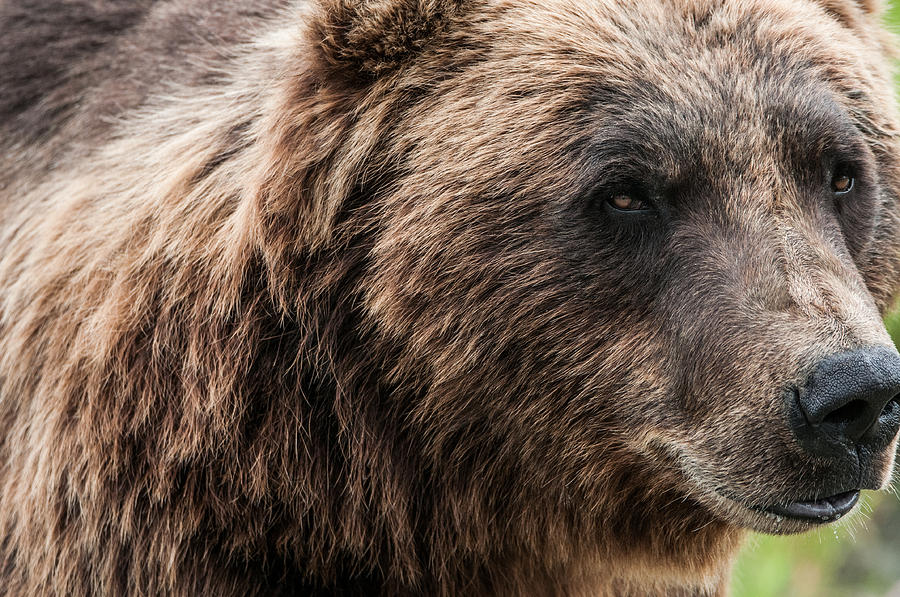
pixel 870 6
pixel 848 11
pixel 369 38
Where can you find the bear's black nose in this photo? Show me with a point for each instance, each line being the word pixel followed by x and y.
pixel 851 399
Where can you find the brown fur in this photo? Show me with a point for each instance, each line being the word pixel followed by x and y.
pixel 317 298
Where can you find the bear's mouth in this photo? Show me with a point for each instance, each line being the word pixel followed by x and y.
pixel 816 511
pixel 770 514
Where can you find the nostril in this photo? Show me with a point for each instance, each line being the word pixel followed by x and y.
pixel 890 409
pixel 849 398
pixel 847 414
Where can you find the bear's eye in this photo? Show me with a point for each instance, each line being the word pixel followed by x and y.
pixel 628 203
pixel 842 181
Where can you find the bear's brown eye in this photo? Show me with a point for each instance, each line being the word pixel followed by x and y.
pixel 842 182
pixel 627 203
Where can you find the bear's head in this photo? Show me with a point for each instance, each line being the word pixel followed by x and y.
pixel 608 257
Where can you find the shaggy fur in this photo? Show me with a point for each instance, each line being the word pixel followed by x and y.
pixel 327 299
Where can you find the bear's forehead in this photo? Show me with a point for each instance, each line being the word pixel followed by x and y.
pixel 719 127
pixel 730 94
pixel 670 82
pixel 686 47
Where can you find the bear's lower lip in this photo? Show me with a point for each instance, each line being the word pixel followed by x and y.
pixel 825 510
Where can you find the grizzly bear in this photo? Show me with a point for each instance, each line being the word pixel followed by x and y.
pixel 438 297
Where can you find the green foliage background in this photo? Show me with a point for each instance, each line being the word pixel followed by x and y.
pixel 855 558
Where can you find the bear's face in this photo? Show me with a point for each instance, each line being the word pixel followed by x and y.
pixel 636 229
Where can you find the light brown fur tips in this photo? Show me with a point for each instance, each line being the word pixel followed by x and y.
pixel 329 298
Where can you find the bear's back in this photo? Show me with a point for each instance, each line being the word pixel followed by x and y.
pixel 68 70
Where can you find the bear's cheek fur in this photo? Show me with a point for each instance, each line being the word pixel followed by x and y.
pixel 510 332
